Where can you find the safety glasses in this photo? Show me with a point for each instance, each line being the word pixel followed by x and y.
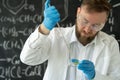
pixel 81 21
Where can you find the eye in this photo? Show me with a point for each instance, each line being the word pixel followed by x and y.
pixel 96 25
pixel 84 21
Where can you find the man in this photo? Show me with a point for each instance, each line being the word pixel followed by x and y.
pixel 81 52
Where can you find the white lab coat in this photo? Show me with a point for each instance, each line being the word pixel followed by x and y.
pixel 39 48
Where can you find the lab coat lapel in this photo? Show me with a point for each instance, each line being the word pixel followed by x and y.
pixel 98 48
pixel 97 51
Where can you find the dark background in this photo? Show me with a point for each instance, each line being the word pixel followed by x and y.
pixel 19 18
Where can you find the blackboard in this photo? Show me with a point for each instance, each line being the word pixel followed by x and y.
pixel 19 18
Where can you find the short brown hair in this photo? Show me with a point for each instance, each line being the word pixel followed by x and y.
pixel 97 5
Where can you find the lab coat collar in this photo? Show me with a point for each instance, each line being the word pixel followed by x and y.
pixel 73 36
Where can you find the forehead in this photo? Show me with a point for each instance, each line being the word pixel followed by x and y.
pixel 92 16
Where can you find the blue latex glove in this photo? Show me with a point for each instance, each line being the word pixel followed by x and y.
pixel 86 66
pixel 51 16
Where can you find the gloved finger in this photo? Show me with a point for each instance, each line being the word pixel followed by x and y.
pixel 86 65
pixel 56 20
pixel 47 4
pixel 86 62
pixel 55 16
pixel 82 67
pixel 51 10
pixel 86 71
pixel 90 74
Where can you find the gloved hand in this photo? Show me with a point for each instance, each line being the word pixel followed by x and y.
pixel 87 67
pixel 51 16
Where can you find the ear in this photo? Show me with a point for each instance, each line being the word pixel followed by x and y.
pixel 78 10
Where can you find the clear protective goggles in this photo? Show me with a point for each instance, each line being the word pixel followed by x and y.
pixel 84 23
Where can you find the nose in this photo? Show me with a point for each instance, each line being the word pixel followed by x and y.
pixel 87 29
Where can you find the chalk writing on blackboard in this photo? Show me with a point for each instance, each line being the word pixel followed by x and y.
pixel 18 19
pixel 14 9
pixel 16 71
